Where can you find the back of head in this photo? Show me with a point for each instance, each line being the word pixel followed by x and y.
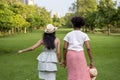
pixel 49 36
pixel 48 39
pixel 78 21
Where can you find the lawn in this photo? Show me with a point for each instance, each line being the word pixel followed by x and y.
pixel 13 66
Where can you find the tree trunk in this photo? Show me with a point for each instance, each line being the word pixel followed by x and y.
pixel 0 33
pixel 25 30
pixel 83 29
pixel 9 32
pixel 91 29
pixel 108 30
pixel 19 29
pixel 12 30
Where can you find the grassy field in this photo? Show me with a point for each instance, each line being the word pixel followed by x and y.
pixel 13 66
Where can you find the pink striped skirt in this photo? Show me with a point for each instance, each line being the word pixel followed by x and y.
pixel 77 66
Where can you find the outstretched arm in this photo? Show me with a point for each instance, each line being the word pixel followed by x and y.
pixel 87 45
pixel 37 44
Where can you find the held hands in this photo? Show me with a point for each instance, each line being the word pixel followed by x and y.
pixel 63 64
pixel 60 63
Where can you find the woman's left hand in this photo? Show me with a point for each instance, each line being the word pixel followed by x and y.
pixel 20 51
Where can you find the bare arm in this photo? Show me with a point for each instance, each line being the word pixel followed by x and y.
pixel 37 44
pixel 65 52
pixel 87 45
pixel 57 42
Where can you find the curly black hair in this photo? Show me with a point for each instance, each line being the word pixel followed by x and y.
pixel 78 21
pixel 48 39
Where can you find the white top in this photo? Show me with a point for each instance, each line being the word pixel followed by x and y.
pixel 76 40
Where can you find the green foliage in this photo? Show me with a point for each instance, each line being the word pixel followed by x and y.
pixel 19 21
pixel 39 17
pixel 107 10
pixel 85 8
pixel 19 8
pixel 81 7
pixel 45 17
pixel 62 21
pixel 67 19
pixel 97 15
pixel 14 14
pixel 6 17
pixel 117 18
pixel 56 20
pixel 90 20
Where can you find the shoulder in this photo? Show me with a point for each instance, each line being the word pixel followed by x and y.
pixel 69 33
pixel 83 33
pixel 66 37
pixel 85 36
pixel 57 40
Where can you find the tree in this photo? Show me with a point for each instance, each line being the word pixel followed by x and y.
pixel 81 7
pixel 106 12
pixel 20 11
pixel 56 20
pixel 18 16
pixel 86 9
pixel 39 17
pixel 20 22
pixel 90 20
pixel 67 19
pixel 118 17
pixel 44 16
pixel 6 17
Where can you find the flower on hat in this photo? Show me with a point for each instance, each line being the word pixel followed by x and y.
pixel 50 28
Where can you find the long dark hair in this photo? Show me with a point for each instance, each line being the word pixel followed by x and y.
pixel 48 39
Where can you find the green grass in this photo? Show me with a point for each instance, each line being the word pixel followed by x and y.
pixel 13 66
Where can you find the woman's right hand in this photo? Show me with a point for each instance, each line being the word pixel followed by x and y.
pixel 64 64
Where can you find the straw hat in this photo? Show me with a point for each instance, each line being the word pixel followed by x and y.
pixel 50 28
